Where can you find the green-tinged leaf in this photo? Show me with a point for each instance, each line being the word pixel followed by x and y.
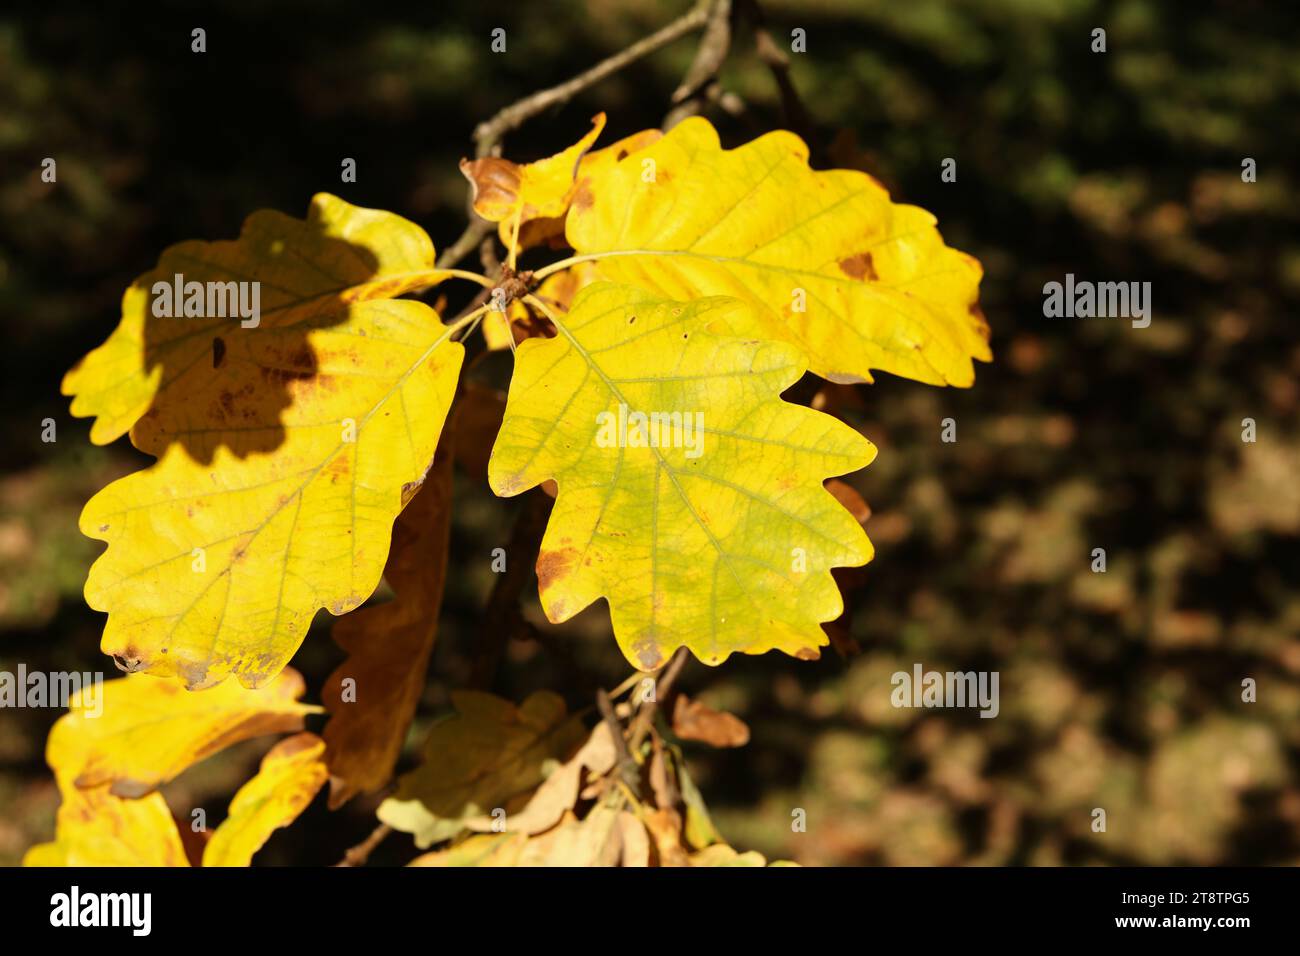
pixel 713 532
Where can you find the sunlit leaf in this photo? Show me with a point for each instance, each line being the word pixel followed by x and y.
pixel 96 828
pixel 721 538
pixel 826 260
pixel 509 193
pixel 292 773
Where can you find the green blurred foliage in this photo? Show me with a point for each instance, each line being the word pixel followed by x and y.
pixel 1119 690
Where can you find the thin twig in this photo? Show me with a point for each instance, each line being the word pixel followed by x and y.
pixel 358 854
pixel 699 83
pixel 474 233
pixel 778 61
pixel 663 687
pixel 628 768
pixel 488 134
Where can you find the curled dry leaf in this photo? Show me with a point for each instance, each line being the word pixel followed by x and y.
pixel 693 720
pixel 489 755
pixel 510 193
pixel 389 644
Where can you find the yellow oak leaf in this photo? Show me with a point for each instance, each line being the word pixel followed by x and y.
pixel 305 270
pixel 291 774
pixel 96 828
pixel 136 733
pixel 828 263
pixel 690 496
pixel 280 470
pixel 479 760
pixel 509 193
pixel 388 645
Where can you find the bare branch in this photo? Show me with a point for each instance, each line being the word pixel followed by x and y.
pixel 778 61
pixel 358 854
pixel 477 230
pixel 628 769
pixel 663 687
pixel 703 71
pixel 488 134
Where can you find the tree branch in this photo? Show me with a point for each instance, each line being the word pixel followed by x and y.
pixel 358 855
pixel 703 71
pixel 778 61
pixel 489 133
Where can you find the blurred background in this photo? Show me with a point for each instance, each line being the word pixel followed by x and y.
pixel 1119 690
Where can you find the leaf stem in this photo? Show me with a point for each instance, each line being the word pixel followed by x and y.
pixel 554 267
pixel 484 281
pixel 487 135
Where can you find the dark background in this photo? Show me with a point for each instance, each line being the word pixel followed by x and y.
pixel 1119 690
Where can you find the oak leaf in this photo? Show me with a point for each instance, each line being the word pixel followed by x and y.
pixel 692 544
pixel 487 756
pixel 96 828
pixel 221 553
pixel 509 193
pixel 291 774
pixel 143 732
pixel 827 261
pixel 693 720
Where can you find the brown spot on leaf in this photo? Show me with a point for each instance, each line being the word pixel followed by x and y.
pixel 218 352
pixel 648 656
pixel 859 267
pixel 129 661
pixel 582 197
pixel 553 566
